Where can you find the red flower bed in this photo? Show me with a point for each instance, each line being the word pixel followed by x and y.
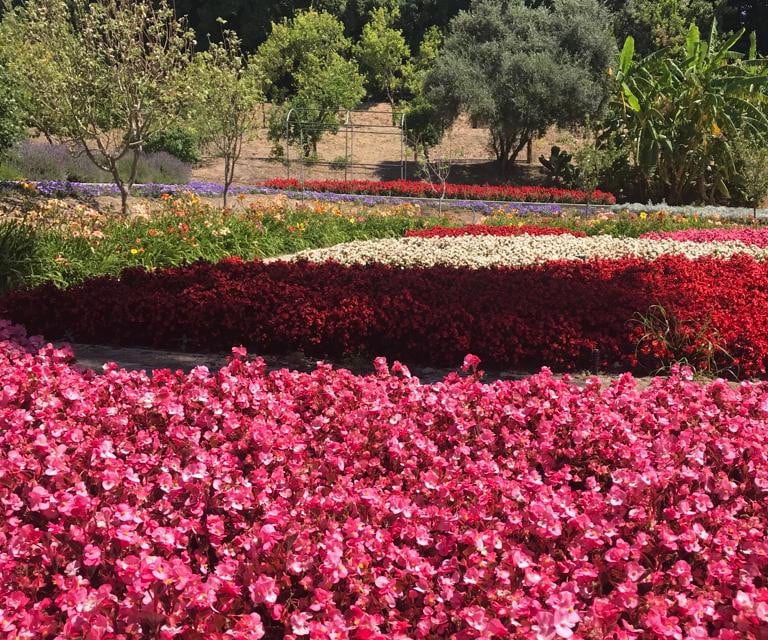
pixel 488 230
pixel 244 505
pixel 415 189
pixel 555 314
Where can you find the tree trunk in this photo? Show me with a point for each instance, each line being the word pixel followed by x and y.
pixel 227 180
pixel 123 198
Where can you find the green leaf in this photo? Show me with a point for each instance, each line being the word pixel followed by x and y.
pixel 627 54
pixel 632 100
pixel 692 42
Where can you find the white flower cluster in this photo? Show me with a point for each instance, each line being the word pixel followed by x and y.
pixel 493 251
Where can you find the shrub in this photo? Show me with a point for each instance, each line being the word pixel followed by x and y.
pixel 178 141
pixel 38 161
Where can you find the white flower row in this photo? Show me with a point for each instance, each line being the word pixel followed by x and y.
pixel 493 251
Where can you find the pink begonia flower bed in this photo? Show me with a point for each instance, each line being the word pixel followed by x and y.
pixel 750 236
pixel 245 504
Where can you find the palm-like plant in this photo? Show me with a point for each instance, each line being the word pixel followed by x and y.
pixel 680 114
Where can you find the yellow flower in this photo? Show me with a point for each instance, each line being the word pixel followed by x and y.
pixel 134 251
pixel 643 215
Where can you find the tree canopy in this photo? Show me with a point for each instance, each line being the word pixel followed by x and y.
pixel 517 70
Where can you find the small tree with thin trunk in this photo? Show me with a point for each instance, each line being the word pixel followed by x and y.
pixel 592 163
pixel 752 158
pixel 102 75
pixel 227 85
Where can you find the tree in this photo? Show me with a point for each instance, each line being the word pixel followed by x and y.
pixel 11 129
pixel 324 87
pixel 383 54
pixel 677 114
pixel 307 36
pixel 752 163
pixel 227 87
pixel 425 123
pixel 657 24
pixel 518 70
pixel 101 75
pixel 306 71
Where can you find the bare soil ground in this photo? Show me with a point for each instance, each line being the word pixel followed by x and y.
pixel 374 147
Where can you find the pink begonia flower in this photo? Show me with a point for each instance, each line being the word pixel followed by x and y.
pixel 244 503
pixel 264 589
pixel 300 623
pixel 91 555
pixel 249 627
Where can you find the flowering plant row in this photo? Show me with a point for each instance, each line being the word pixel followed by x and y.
pixel 488 230
pixel 757 236
pixel 245 505
pixel 555 314
pixel 417 189
pixel 479 251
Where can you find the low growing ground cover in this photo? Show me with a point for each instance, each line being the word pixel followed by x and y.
pixel 245 504
pixel 64 245
pixel 561 314
pixel 421 189
pixel 480 250
pixel 490 230
pixel 757 236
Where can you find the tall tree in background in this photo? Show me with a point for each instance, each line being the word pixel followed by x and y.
pixel 656 24
pixel 11 118
pixel 102 75
pixel 308 72
pixel 518 70
pixel 384 55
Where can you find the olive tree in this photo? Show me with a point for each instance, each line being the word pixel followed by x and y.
pixel 517 70
pixel 102 75
pixel 227 87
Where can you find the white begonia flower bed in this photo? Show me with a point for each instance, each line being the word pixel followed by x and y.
pixel 494 251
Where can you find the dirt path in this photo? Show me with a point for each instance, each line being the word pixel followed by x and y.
pixel 133 359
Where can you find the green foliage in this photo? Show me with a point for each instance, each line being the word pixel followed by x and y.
pixel 678 113
pixel 517 70
pixel 384 54
pixel 306 72
pixel 19 262
pixel 623 224
pixel 177 140
pixel 308 38
pixel 592 163
pixel 104 75
pixel 227 89
pixel 34 255
pixel 752 171
pixel 664 23
pixel 425 124
pixel 11 123
pixel 325 86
